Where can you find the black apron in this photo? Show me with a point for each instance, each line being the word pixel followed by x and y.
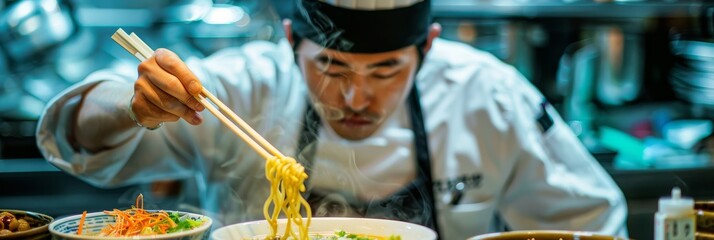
pixel 415 203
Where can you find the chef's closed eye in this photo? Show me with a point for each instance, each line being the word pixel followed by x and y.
pixel 335 75
pixel 385 74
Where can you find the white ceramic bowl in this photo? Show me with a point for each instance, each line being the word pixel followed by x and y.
pixel 325 225
pixel 544 235
pixel 66 228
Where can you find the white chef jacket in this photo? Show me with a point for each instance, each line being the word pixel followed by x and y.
pixel 480 117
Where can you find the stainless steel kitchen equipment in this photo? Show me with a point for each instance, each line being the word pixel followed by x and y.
pixel 604 63
pixel 37 62
pixel 600 62
pixel 693 74
pixel 29 27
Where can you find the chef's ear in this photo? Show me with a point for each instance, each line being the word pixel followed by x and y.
pixel 288 28
pixel 434 32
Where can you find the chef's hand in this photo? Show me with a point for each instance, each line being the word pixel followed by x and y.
pixel 164 91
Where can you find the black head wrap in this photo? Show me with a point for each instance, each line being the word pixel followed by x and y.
pixel 358 30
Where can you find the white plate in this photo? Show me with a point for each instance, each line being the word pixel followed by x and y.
pixel 66 228
pixel 376 227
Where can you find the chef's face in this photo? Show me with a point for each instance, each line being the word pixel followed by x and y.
pixel 354 93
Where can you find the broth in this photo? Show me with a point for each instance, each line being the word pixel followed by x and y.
pixel 332 236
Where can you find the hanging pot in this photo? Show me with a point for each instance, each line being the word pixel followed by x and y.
pixel 28 28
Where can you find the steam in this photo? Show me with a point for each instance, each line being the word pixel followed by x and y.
pixel 320 24
pixel 353 194
pixel 238 191
pixel 328 112
pixel 346 201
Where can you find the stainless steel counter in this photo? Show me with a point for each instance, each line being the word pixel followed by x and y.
pixel 644 187
pixel 35 185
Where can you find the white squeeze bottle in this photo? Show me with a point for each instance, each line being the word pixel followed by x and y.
pixel 675 218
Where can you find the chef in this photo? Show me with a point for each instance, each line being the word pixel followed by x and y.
pixel 389 120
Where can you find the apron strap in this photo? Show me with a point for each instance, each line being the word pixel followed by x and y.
pixel 421 147
pixel 306 151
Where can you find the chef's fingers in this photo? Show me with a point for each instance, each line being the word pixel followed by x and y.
pixel 166 103
pixel 148 114
pixel 167 81
pixel 171 63
pixel 170 84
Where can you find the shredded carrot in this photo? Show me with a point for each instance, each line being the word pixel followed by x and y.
pixel 137 221
pixel 81 223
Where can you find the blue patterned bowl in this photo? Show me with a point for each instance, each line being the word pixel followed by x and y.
pixel 66 228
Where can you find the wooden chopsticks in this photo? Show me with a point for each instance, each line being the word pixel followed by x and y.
pixel 134 45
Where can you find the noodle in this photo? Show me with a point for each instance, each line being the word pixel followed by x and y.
pixel 287 179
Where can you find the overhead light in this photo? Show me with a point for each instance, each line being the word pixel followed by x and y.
pixel 224 14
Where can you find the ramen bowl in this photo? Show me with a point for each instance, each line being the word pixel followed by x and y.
pixel 38 225
pixel 544 235
pixel 66 228
pixel 327 226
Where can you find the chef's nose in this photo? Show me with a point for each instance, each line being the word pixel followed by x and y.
pixel 357 93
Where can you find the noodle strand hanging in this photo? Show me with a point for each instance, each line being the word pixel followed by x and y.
pixel 287 182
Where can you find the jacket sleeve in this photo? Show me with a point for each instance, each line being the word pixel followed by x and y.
pixel 556 183
pixel 249 80
pixel 152 157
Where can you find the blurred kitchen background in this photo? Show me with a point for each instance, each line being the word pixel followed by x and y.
pixel 633 78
